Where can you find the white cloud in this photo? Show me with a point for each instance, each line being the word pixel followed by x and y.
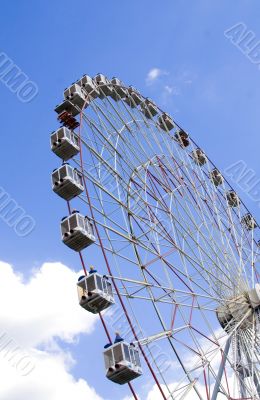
pixel 168 89
pixel 154 74
pixel 45 307
pixel 49 380
pixel 35 314
pixel 171 90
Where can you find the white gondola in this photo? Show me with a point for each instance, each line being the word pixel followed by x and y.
pixel 122 363
pixel 199 157
pixel 216 177
pixel 165 122
pixel 67 106
pixel 134 98
pixel 95 293
pixel 232 198
pixel 249 222
pixel 182 138
pixel 120 92
pixel 67 182
pixel 104 85
pixel 76 96
pixel 64 143
pixel 77 231
pixel 149 108
pixel 88 86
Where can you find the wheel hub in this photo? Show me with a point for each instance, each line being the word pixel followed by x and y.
pixel 234 310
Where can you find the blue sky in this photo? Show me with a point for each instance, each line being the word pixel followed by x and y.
pixel 205 82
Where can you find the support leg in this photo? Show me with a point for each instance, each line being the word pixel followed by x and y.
pixel 221 370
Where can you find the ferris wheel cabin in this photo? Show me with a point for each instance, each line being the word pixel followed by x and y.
pixel 216 177
pixel 182 138
pixel 67 182
pixel 149 108
pixel 77 231
pixel 104 85
pixel 88 86
pixel 249 222
pixel 76 96
pixel 199 157
pixel 134 98
pixel 67 107
pixel 122 362
pixel 232 198
pixel 64 143
pixel 120 92
pixel 165 122
pixel 95 293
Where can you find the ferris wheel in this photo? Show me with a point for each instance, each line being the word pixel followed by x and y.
pixel 180 249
